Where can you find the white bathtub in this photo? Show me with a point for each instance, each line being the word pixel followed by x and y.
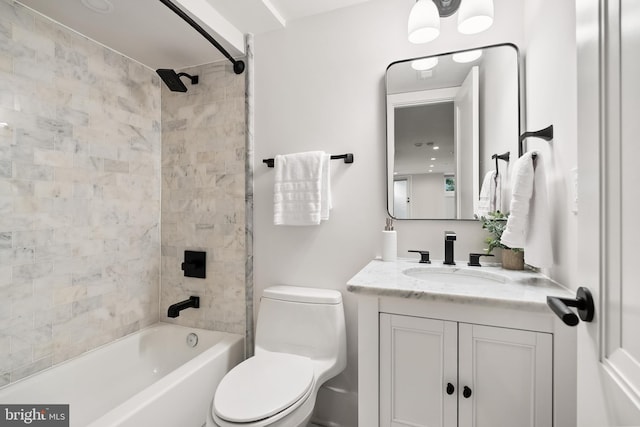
pixel 152 378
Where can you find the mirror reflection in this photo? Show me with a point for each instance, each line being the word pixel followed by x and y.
pixel 447 115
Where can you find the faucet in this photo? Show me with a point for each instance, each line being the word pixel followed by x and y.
pixel 449 238
pixel 175 309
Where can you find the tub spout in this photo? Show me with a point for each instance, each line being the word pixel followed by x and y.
pixel 175 309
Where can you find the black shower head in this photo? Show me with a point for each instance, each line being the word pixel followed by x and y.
pixel 172 79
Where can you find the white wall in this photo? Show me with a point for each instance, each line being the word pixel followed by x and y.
pixel 551 74
pixel 320 86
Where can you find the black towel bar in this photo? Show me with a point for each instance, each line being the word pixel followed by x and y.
pixel 348 158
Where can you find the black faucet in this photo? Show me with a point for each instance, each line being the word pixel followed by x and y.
pixel 175 309
pixel 449 238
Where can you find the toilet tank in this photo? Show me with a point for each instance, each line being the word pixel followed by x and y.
pixel 304 321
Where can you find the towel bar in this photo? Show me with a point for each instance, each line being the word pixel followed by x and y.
pixel 546 134
pixel 348 158
pixel 504 156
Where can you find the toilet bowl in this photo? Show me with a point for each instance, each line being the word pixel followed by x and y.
pixel 300 344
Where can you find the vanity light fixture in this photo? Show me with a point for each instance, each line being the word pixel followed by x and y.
pixel 435 147
pixel 474 16
pixel 424 64
pixel 424 22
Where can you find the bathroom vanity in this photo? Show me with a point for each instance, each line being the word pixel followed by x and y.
pixel 461 346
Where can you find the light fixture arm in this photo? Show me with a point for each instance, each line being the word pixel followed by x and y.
pixel 447 7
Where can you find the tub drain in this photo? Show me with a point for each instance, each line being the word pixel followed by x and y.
pixel 192 340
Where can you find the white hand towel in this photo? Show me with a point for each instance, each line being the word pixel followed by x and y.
pixel 325 187
pixel 538 250
pixel 528 226
pixel 490 199
pixel 299 190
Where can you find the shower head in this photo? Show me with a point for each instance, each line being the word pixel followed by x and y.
pixel 172 79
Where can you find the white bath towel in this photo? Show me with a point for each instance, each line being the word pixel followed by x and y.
pixel 529 225
pixel 301 188
pixel 490 199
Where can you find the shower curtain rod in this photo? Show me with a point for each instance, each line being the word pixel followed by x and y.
pixel 238 66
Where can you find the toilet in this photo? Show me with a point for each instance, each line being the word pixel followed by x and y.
pixel 300 343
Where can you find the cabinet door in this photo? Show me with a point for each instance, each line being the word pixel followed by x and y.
pixel 509 374
pixel 418 358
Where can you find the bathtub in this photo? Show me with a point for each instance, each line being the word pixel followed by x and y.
pixel 151 378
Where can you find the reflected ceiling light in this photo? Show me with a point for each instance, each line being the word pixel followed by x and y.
pixel 100 6
pixel 4 125
pixel 469 56
pixel 433 158
pixel 424 22
pixel 435 147
pixel 424 64
pixel 474 16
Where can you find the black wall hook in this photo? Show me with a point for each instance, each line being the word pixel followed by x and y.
pixel 583 302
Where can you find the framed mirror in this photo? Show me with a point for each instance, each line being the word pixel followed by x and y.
pixel 447 115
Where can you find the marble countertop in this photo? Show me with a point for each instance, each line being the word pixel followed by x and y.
pixel 508 288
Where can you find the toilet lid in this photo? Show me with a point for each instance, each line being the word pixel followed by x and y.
pixel 262 386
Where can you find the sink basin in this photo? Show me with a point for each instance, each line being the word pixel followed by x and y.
pixel 455 276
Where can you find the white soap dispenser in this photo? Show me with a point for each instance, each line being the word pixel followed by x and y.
pixel 389 242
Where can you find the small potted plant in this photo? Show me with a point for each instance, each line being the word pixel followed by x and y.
pixel 495 223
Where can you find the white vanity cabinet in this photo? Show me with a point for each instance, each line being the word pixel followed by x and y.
pixel 437 373
pixel 422 342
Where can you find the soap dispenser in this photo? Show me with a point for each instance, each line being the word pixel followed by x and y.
pixel 389 242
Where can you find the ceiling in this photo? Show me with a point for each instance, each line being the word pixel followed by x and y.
pixel 148 32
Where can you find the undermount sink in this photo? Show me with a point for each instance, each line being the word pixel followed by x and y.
pixel 455 275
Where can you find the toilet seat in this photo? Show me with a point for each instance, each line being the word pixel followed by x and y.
pixel 263 386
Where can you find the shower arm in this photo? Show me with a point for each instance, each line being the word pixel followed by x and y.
pixel 238 66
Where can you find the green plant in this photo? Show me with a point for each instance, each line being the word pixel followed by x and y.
pixel 495 223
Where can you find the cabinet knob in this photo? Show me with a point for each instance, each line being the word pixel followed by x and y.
pixel 466 392
pixel 450 389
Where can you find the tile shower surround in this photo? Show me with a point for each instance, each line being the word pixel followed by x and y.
pixel 80 204
pixel 203 197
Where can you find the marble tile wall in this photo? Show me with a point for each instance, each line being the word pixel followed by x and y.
pixel 203 197
pixel 80 194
